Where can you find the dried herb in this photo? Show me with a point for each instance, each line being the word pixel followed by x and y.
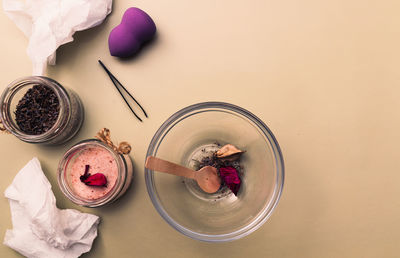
pixel 231 178
pixel 97 179
pixel 228 166
pixel 37 111
pixel 229 152
pixel 218 163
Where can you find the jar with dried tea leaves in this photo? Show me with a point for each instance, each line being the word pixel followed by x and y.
pixel 38 109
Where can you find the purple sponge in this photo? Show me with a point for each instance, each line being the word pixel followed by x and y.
pixel 136 27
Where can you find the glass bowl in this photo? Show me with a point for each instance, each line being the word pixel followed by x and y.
pixel 198 130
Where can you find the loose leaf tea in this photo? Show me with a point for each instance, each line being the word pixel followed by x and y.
pixel 37 111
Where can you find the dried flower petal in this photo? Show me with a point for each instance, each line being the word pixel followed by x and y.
pixel 229 151
pixel 231 178
pixel 97 179
pixel 86 174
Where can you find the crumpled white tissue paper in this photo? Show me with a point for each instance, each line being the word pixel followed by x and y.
pixel 40 229
pixel 51 23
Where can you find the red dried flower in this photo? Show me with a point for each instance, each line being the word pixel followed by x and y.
pixel 97 179
pixel 231 178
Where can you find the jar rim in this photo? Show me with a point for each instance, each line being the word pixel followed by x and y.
pixel 28 81
pixel 109 196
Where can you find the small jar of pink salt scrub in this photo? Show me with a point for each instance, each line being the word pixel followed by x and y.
pixel 93 174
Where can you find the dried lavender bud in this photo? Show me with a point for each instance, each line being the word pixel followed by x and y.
pixel 37 111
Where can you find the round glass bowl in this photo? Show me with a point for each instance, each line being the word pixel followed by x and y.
pixel 101 158
pixel 69 119
pixel 196 131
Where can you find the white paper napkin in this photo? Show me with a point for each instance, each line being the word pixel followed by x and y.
pixel 40 229
pixel 51 23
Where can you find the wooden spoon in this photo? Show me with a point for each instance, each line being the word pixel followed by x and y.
pixel 207 177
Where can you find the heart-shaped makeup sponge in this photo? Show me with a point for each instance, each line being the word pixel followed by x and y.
pixel 136 27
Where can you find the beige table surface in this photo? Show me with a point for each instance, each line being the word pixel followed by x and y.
pixel 323 75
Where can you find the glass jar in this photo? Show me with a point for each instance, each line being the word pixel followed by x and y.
pixel 67 124
pixel 100 158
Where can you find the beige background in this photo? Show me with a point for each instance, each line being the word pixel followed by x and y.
pixel 323 75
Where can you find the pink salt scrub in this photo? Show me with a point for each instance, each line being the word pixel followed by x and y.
pixel 100 161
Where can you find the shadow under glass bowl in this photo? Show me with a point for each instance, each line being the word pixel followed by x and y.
pixel 197 131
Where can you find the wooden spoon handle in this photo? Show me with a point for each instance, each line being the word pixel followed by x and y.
pixel 161 165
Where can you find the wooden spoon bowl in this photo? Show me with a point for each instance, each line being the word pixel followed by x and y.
pixel 207 177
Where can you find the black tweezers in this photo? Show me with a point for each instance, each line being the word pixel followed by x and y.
pixel 117 84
